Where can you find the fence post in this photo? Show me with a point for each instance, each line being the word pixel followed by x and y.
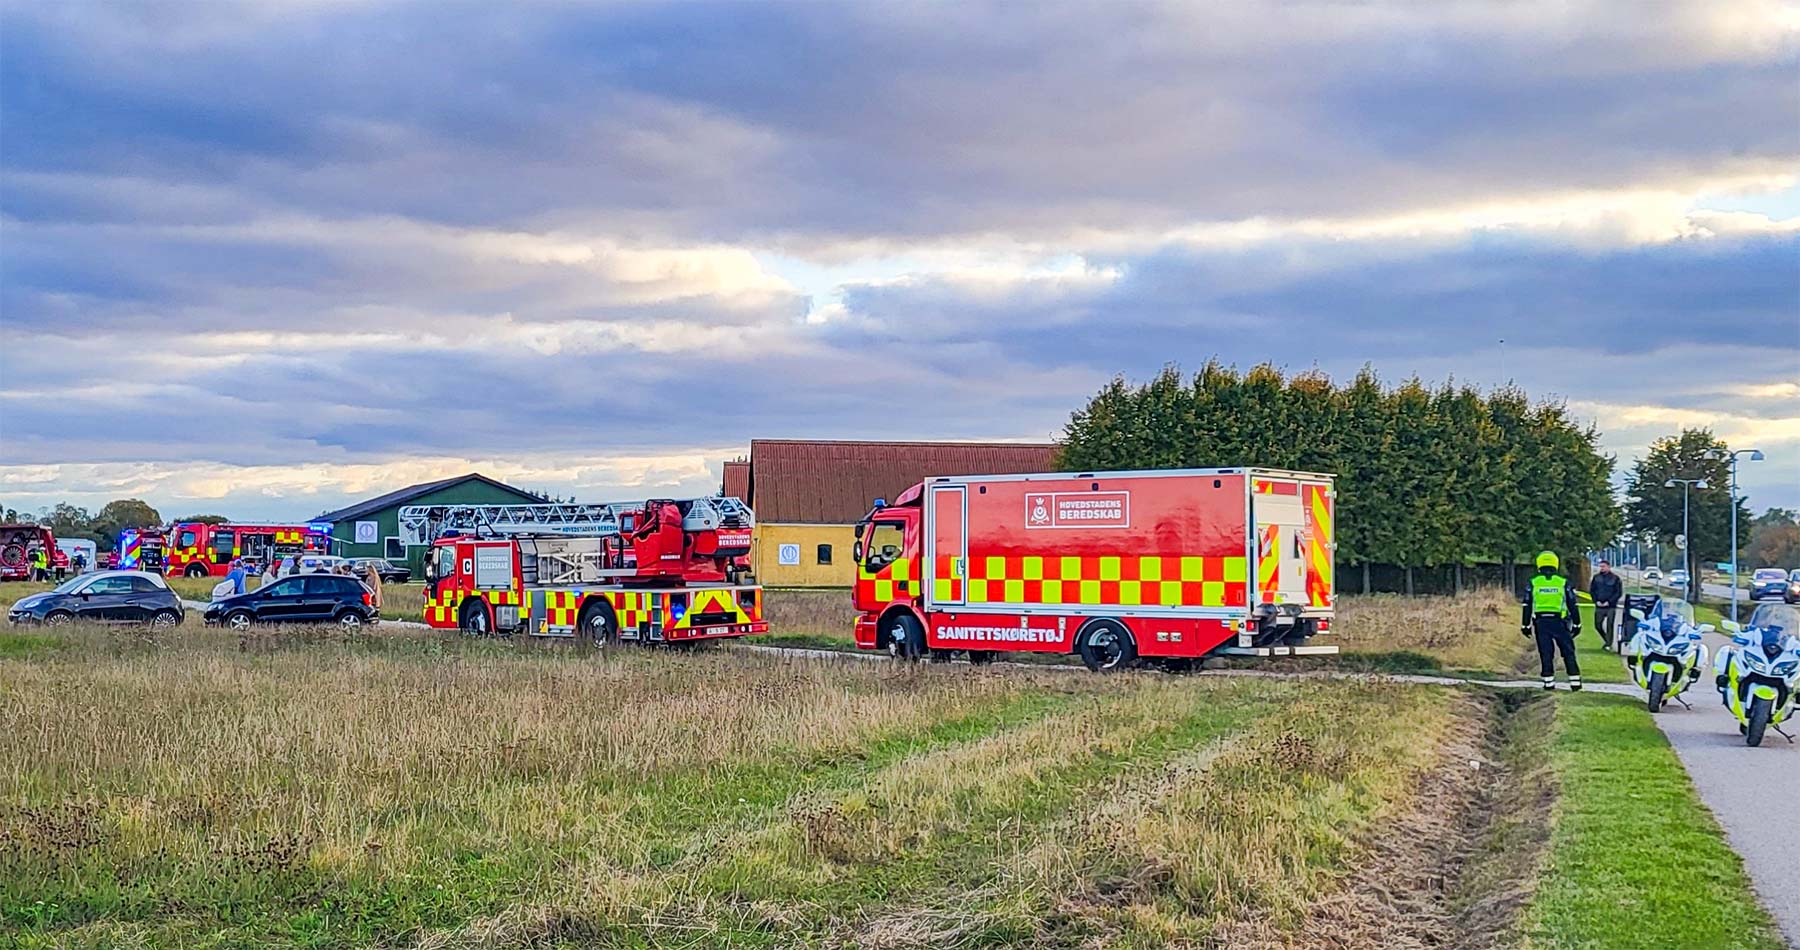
pixel 1365 577
pixel 1409 580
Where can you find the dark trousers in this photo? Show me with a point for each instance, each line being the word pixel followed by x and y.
pixel 1553 635
pixel 1604 620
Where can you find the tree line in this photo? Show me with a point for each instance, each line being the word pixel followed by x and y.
pixel 1427 475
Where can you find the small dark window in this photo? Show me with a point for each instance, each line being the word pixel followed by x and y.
pixel 824 554
pixel 144 585
pixel 393 550
pixel 1217 483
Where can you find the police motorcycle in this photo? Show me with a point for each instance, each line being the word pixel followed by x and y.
pixel 1666 653
pixel 1758 673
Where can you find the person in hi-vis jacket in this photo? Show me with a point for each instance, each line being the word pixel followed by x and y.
pixel 1551 612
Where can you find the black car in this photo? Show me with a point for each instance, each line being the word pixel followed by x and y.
pixel 388 573
pixel 306 598
pixel 103 597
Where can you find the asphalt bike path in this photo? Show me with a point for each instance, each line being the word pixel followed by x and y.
pixel 1750 791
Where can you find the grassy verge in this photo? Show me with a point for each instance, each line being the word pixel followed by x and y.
pixel 1635 860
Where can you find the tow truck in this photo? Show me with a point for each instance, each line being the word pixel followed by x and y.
pixel 655 571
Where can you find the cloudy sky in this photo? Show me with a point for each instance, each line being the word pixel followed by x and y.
pixel 262 258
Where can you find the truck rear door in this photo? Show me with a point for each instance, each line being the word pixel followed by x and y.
pixel 1280 519
pixel 947 555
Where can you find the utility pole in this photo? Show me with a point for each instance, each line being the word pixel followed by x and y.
pixel 1755 456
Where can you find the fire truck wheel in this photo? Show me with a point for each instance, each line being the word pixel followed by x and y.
pixel 475 620
pixel 905 637
pixel 1106 646
pixel 195 570
pixel 598 624
pixel 981 657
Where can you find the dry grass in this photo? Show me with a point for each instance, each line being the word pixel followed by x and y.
pixel 197 788
pixel 1478 631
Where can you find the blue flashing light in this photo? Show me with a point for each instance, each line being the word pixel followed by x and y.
pixel 881 502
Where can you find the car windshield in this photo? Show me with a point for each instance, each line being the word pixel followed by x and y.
pixel 1784 616
pixel 1795 576
pixel 1769 575
pixel 1676 607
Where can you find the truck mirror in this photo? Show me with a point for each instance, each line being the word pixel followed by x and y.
pixel 860 527
pixel 856 551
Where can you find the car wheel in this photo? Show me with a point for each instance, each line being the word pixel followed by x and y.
pixel 59 618
pixel 350 620
pixel 240 620
pixel 165 619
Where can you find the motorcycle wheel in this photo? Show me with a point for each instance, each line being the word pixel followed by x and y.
pixel 1759 721
pixel 1659 684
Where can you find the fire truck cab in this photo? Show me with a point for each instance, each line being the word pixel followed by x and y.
pixel 198 549
pixel 655 571
pixel 1111 566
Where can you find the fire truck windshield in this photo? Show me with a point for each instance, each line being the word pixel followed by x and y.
pixel 883 544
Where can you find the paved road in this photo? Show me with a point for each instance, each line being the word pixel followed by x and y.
pixel 1751 791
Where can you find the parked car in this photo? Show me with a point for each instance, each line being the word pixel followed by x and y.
pixel 389 573
pixel 103 597
pixel 304 598
pixel 1652 575
pixel 1793 589
pixel 1771 582
pixel 310 563
pixel 1678 579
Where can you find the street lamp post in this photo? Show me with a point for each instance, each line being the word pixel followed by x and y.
pixel 1687 543
pixel 1755 456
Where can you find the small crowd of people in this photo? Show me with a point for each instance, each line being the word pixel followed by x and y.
pixel 237 578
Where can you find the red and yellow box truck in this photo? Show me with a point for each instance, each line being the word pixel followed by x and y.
pixel 1112 566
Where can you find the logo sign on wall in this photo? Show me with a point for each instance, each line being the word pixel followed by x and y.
pixel 366 532
pixel 788 554
pixel 1078 509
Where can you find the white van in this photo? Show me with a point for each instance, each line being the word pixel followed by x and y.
pixel 90 553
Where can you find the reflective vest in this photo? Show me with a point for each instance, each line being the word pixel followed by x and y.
pixel 1547 595
pixel 41 558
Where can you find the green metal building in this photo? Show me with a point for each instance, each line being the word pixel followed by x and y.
pixel 372 528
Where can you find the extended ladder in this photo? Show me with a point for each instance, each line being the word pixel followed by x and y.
pixel 423 524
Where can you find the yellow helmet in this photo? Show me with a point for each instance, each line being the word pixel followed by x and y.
pixel 1549 559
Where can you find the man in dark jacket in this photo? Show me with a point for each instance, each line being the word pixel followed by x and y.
pixel 1607 590
pixel 1551 611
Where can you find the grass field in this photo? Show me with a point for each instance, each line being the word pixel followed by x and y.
pixel 308 789
pixel 194 790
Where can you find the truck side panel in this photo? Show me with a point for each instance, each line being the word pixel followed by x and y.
pixel 1055 633
pixel 1120 544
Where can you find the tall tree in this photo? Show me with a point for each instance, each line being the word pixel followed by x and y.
pixel 1655 506
pixel 122 513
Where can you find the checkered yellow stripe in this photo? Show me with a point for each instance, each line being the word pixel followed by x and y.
pixel 442 610
pixel 1318 546
pixel 899 579
pixel 1105 581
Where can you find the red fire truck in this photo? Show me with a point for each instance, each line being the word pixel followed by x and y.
pixel 654 571
pixel 198 549
pixel 18 541
pixel 1112 566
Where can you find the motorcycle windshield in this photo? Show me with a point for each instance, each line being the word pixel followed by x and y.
pixel 1783 619
pixel 1675 612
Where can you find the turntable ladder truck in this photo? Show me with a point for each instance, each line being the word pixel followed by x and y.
pixel 655 571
